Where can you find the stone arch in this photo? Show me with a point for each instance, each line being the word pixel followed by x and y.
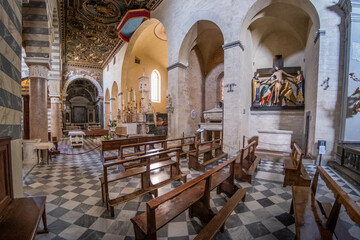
pixel 150 59
pixel 79 76
pixel 298 49
pixel 199 28
pixel 114 106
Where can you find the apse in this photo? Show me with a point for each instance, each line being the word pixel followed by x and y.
pixel 80 106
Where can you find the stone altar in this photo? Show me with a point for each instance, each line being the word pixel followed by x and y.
pixel 275 140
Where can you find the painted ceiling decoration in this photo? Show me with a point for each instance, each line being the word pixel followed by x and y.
pixel 88 28
pixel 130 22
pixel 83 88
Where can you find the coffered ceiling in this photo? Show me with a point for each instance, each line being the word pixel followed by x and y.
pixel 88 28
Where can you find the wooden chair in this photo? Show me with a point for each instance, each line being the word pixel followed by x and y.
pixel 206 148
pixel 294 170
pixel 318 220
pixel 194 195
pixel 247 162
pixel 19 217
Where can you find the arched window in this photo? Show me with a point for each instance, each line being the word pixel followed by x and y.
pixel 155 86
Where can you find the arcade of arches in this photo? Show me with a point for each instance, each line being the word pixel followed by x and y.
pixel 64 68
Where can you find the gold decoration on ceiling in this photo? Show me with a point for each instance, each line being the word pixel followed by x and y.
pixel 88 27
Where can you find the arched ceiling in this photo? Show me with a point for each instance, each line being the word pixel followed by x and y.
pixel 151 46
pixel 207 37
pixel 82 88
pixel 88 28
pixel 280 17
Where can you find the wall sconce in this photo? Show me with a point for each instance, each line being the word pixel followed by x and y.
pixel 325 83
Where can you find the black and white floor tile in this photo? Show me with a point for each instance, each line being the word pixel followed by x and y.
pixel 75 209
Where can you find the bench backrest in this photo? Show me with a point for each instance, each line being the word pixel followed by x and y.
pixel 250 140
pixel 165 144
pixel 156 202
pixel 247 153
pixel 213 144
pixel 111 145
pixel 341 198
pixel 296 155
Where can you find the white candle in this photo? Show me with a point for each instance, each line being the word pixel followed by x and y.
pixel 134 96
pixel 128 96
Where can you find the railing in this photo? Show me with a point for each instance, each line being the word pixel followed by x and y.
pixel 350 156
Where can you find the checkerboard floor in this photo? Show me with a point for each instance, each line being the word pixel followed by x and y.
pixel 75 209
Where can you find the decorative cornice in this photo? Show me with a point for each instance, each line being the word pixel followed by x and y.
pixel 176 65
pixel 233 44
pixel 319 33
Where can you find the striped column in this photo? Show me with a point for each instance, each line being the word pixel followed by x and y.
pixel 56 119
pixel 10 84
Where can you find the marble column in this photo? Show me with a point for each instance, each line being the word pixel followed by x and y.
pixel 100 112
pixel 349 129
pixel 178 119
pixel 56 119
pixel 236 97
pixel 38 116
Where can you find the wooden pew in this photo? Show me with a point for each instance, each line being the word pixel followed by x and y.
pixel 247 162
pixel 112 145
pixel 206 148
pixel 19 217
pixel 148 147
pixel 312 221
pixel 193 195
pixel 141 165
pixel 218 221
pixel 294 171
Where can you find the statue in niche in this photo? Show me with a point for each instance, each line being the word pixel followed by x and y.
pixel 278 82
pixel 300 84
pixel 256 82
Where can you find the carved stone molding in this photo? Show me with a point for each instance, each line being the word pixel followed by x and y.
pixel 38 67
pixel 38 71
pixel 233 44
pixel 176 65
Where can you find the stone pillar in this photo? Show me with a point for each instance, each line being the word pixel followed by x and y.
pixel 179 95
pixel 100 112
pixel 236 97
pixel 38 74
pixel 56 119
pixel 349 126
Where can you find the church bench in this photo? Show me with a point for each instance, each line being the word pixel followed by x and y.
pixel 247 162
pixel 218 221
pixel 148 147
pixel 206 148
pixel 294 170
pixel 19 217
pixel 317 220
pixel 114 145
pixel 193 195
pixel 140 165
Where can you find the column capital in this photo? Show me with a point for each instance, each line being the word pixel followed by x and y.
pixel 176 65
pixel 38 67
pixel 233 44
